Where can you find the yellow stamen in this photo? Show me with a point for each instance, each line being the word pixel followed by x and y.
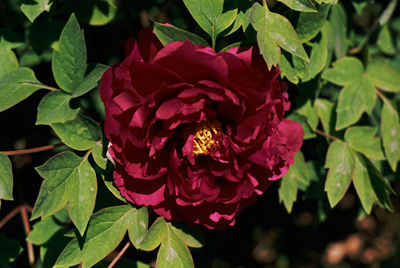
pixel 204 138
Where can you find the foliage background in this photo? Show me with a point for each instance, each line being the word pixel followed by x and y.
pixel 365 32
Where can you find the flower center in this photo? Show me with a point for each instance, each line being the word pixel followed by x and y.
pixel 205 137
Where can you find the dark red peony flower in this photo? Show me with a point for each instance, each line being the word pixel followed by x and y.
pixel 195 134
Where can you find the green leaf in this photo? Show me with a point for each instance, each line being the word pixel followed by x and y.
pixel 6 178
pixel 97 153
pixel 95 12
pixel 68 178
pixel 300 5
pixel 363 140
pixel 242 18
pixel 338 24
pixel 192 237
pixel 288 190
pixel 340 161
pixel 325 112
pixel 358 95
pixel 169 33
pixel 390 129
pixel 383 76
pixel 8 61
pixel 344 71
pixel 308 132
pixel 310 24
pixel 173 252
pixel 300 170
pixel 56 107
pixel 16 86
pixel 155 235
pixel 292 67
pixel 69 61
pixel 137 225
pixel 105 231
pixel 79 133
pixel 34 9
pixel 318 58
pixel 354 99
pixel 210 16
pixel 274 32
pixel 92 76
pixel 385 42
pixel 9 250
pixel 306 109
pixel 370 185
pixel 43 231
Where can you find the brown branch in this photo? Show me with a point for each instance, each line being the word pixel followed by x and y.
pixel 119 255
pixel 326 135
pixel 33 150
pixel 27 229
pixel 10 215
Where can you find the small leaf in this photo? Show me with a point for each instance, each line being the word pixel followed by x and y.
pixel 383 76
pixel 274 32
pixel 69 61
pixel 105 231
pixel 310 24
pixel 292 67
pixel 288 190
pixel 354 99
pixel 79 133
pixel 137 225
pixel 68 178
pixel 338 24
pixel 33 10
pixel 300 5
pixel 300 170
pixel 385 42
pixel 363 140
pixel 390 129
pixel 192 237
pixel 210 16
pixel 363 186
pixel 325 112
pixel 340 161
pixel 169 33
pixel 306 109
pixel 344 71
pixel 96 12
pixel 97 153
pixel 55 107
pixel 43 231
pixel 6 178
pixel 16 86
pixel 318 58
pixel 155 235
pixel 173 253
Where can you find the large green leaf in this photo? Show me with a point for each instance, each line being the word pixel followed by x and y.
pixel 210 16
pixel 273 33
pixel 300 5
pixel 56 107
pixel 68 178
pixel 34 9
pixel 79 133
pixel 310 24
pixel 6 178
pixel 137 225
pixel 344 71
pixel 15 86
pixel 69 61
pixel 105 231
pixel 168 33
pixel 383 76
pixel 288 190
pixel 363 140
pixel 173 252
pixel 43 231
pixel 340 161
pixel 390 131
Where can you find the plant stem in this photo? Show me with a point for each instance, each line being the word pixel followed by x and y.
pixel 119 255
pixel 33 150
pixel 326 135
pixel 27 229
pixel 39 85
pixel 10 215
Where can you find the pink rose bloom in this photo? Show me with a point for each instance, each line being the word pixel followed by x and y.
pixel 196 135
